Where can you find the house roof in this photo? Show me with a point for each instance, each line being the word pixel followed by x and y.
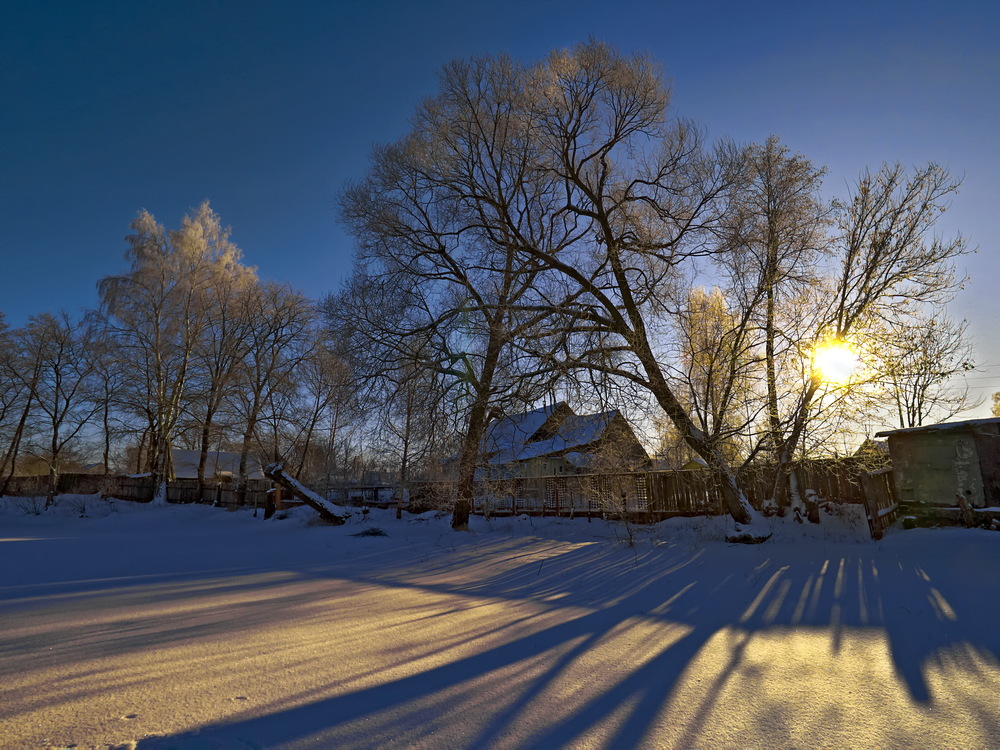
pixel 968 424
pixel 871 447
pixel 520 437
pixel 510 433
pixel 217 463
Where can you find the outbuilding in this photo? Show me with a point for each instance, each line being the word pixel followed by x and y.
pixel 934 464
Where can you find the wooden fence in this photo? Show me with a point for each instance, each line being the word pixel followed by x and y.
pixel 644 496
pixel 881 504
pixel 640 496
pixel 143 489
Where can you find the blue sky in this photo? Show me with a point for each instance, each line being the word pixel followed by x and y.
pixel 268 109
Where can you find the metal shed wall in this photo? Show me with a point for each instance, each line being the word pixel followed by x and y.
pixel 932 467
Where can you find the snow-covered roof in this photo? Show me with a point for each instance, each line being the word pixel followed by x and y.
pixel 510 433
pixel 964 425
pixel 217 463
pixel 517 438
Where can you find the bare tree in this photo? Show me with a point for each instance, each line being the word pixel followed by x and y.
pixel 568 183
pixel 776 236
pixel 63 389
pixel 112 376
pixel 717 372
pixel 227 295
pixel 652 199
pixel 12 389
pixel 889 269
pixel 441 221
pixel 20 379
pixel 157 315
pixel 919 361
pixel 328 390
pixel 280 319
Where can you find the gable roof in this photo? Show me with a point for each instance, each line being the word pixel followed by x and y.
pixel 550 430
pixel 508 434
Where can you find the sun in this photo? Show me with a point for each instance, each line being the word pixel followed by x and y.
pixel 835 361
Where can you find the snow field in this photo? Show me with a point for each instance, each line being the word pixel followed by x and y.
pixel 194 627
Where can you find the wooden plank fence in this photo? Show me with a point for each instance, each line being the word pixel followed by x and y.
pixel 881 504
pixel 640 496
pixel 647 496
pixel 142 489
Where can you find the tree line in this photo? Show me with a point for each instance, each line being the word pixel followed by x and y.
pixel 190 349
pixel 545 230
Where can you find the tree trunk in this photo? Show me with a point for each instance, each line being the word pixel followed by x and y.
pixel 53 471
pixel 203 455
pixel 472 444
pixel 786 479
pixel 53 482
pixel 780 494
pixel 733 495
pixel 241 489
pixel 467 467
pixel 105 420
pixel 404 467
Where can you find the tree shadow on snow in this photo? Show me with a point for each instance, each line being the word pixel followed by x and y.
pixel 481 700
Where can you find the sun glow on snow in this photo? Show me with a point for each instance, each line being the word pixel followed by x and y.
pixel 835 361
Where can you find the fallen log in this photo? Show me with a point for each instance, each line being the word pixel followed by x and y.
pixel 327 510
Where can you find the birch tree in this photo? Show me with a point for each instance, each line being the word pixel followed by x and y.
pixel 157 314
pixel 228 294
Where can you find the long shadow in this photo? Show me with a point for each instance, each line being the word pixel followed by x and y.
pixel 738 590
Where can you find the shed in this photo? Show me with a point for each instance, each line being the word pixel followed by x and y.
pixel 935 463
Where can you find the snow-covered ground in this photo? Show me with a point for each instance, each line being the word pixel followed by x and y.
pixel 194 627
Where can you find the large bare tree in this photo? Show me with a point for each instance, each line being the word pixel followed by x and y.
pixel 653 198
pixel 441 222
pixel 558 200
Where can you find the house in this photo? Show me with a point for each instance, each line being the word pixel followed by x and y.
pixel 218 464
pixel 695 464
pixel 875 453
pixel 933 464
pixel 554 440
